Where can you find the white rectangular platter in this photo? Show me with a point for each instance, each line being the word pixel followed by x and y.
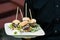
pixel 23 34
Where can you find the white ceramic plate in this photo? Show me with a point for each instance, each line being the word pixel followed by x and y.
pixel 23 34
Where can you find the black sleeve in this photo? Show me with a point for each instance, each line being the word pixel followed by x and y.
pixel 36 7
pixel 33 10
pixel 29 6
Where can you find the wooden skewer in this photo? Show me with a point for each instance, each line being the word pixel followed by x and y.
pixel 25 9
pixel 17 13
pixel 30 13
pixel 21 13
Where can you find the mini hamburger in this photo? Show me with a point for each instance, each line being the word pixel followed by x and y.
pixel 14 24
pixel 25 26
pixel 32 22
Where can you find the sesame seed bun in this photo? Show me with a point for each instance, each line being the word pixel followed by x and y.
pixel 26 19
pixel 33 21
pixel 16 21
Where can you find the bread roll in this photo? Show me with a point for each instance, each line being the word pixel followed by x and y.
pixel 23 23
pixel 33 21
pixel 26 19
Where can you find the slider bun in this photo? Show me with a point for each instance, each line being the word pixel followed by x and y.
pixel 33 21
pixel 16 21
pixel 26 19
pixel 23 23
